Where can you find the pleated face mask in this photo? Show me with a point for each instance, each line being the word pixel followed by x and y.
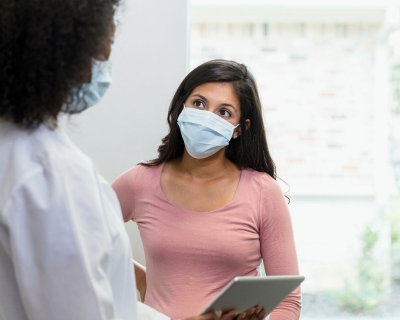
pixel 203 132
pixel 91 93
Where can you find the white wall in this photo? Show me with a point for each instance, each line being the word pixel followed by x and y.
pixel 149 61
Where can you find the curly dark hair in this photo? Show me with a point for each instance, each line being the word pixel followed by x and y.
pixel 46 49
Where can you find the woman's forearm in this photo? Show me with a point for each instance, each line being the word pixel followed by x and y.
pixel 141 284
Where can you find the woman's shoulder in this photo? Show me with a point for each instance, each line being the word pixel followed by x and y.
pixel 140 173
pixel 264 185
pixel 263 179
pixel 271 191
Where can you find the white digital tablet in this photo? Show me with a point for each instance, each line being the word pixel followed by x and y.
pixel 243 293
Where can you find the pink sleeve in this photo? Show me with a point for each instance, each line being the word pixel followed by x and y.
pixel 277 246
pixel 124 188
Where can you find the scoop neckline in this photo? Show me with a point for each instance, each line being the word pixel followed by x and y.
pixel 230 203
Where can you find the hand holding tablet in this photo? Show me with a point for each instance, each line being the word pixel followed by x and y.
pixel 243 293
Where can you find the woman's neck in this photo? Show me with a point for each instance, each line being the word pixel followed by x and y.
pixel 209 168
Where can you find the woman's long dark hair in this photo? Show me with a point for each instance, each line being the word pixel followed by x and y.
pixel 250 149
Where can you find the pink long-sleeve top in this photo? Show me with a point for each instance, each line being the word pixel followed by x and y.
pixel 192 256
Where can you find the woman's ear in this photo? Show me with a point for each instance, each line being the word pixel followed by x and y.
pixel 247 123
pixel 238 130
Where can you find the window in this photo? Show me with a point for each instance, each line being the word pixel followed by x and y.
pixel 319 72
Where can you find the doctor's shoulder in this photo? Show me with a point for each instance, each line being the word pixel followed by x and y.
pixel 39 150
pixel 41 166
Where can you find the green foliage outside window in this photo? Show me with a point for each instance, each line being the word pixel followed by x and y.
pixel 362 294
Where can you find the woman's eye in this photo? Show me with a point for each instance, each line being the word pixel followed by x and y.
pixel 199 104
pixel 225 113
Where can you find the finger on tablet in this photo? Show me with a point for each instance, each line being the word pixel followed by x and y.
pixel 229 315
pixel 212 315
pixel 262 314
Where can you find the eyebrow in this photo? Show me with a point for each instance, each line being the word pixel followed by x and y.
pixel 205 99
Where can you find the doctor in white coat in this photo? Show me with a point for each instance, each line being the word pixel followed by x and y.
pixel 64 252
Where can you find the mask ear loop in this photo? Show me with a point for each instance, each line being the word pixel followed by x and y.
pixel 183 109
pixel 235 137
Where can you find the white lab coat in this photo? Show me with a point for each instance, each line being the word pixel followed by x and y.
pixel 64 251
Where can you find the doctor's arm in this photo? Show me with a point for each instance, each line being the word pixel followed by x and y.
pixel 59 243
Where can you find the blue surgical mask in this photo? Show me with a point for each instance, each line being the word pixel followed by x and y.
pixel 91 93
pixel 203 132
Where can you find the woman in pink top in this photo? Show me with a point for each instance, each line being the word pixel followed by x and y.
pixel 208 208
